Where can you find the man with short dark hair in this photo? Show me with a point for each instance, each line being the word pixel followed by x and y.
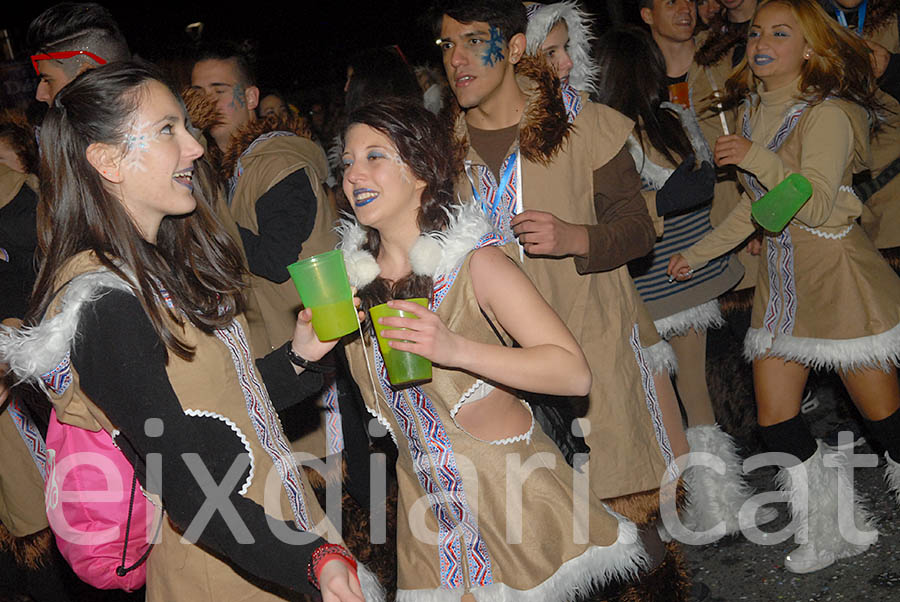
pixel 69 38
pixel 275 206
pixel 569 195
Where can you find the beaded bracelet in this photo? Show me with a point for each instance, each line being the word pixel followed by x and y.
pixel 325 553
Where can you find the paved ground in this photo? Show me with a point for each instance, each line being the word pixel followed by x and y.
pixel 736 569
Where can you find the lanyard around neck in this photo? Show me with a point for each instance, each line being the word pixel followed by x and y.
pixel 860 16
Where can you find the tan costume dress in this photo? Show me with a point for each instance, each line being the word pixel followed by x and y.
pixel 824 296
pixel 469 519
pixel 220 389
pixel 629 446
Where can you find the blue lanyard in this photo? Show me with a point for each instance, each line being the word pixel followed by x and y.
pixel 860 16
pixel 504 182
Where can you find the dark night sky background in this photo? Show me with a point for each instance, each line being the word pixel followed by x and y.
pixel 300 45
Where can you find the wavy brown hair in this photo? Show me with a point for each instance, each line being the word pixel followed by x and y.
pixel 194 260
pixel 839 66
pixel 426 146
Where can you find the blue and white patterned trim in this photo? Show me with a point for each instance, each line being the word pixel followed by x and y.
pixel 650 396
pixel 265 420
pixel 59 379
pixel 334 434
pixel 30 434
pixel 781 308
pixel 238 432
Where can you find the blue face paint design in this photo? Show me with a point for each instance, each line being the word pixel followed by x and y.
pixel 494 52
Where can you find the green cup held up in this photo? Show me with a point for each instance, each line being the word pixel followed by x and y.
pixel 322 283
pixel 776 208
pixel 403 367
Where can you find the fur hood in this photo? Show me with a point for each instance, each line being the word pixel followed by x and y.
pixel 545 123
pixel 542 18
pixel 252 130
pixel 434 254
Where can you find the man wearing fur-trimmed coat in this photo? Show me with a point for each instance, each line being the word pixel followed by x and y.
pixel 276 210
pixel 569 195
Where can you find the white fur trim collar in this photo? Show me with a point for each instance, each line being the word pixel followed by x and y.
pixel 433 254
pixel 36 350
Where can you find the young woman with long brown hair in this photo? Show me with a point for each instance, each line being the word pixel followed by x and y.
pixel 136 328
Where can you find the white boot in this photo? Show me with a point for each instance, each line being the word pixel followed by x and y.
pixel 892 476
pixel 814 491
pixel 714 497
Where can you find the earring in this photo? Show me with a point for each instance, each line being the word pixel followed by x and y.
pixel 807 54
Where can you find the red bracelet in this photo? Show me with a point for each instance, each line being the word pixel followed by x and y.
pixel 323 554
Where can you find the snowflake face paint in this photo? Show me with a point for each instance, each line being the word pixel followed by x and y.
pixel 220 80
pixel 475 59
pixel 137 144
pixel 155 176
pixel 379 184
pixel 494 52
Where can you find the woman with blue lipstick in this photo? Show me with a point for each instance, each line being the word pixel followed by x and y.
pixel 137 328
pixel 488 508
pixel 824 298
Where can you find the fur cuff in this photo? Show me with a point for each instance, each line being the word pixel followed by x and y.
pixel 660 358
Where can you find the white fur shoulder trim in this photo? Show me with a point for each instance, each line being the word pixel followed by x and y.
pixel 238 432
pixel 593 569
pixel 433 254
pixel 36 350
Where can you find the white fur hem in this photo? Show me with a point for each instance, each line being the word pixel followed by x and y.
pixel 660 358
pixel 875 351
pixel 574 579
pixel 700 318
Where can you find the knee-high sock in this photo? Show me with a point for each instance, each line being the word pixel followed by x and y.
pixel 791 436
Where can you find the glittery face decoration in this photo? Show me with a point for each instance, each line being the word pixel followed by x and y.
pixel 137 144
pixel 494 51
pixel 238 96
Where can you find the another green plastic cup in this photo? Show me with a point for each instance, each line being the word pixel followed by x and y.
pixel 321 281
pixel 776 208
pixel 403 367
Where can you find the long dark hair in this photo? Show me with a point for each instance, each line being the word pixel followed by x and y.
pixel 427 147
pixel 194 260
pixel 632 78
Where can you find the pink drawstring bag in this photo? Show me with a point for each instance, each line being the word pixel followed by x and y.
pixel 96 509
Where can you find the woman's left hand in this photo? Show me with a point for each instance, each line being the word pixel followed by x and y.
pixel 426 335
pixel 306 344
pixel 731 149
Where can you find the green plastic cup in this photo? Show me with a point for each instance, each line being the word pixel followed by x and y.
pixel 321 281
pixel 403 367
pixel 776 208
